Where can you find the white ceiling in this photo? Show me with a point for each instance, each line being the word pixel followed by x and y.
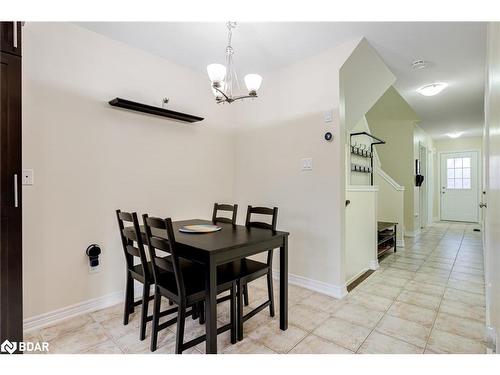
pixel 455 52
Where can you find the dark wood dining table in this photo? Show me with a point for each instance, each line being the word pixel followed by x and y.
pixel 231 243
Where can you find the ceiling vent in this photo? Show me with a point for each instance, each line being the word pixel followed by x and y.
pixel 419 64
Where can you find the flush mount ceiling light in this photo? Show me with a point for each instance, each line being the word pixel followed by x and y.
pixel 455 134
pixel 432 89
pixel 223 78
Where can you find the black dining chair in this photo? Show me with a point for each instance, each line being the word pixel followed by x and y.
pixel 133 248
pixel 252 269
pixel 182 282
pixel 233 208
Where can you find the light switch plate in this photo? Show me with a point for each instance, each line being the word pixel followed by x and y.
pixel 28 176
pixel 328 115
pixel 307 164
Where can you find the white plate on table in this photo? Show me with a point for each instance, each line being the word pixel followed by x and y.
pixel 200 228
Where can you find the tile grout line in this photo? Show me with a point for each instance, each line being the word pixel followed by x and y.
pixel 446 287
pixel 382 317
pixel 394 300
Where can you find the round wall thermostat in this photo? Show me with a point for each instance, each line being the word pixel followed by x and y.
pixel 328 136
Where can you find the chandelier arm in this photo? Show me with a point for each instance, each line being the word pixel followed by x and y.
pixel 244 97
pixel 222 92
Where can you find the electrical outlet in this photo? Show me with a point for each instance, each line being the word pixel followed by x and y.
pixel 95 269
pixel 28 176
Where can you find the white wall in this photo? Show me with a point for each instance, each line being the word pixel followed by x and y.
pixel 285 125
pixel 492 219
pixel 390 202
pixel 393 120
pixel 363 79
pixel 90 159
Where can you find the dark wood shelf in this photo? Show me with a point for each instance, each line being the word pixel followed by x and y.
pixel 382 252
pixel 386 232
pixel 382 239
pixel 157 111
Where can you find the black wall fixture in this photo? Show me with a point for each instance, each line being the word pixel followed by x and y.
pixel 157 111
pixel 93 252
pixel 365 153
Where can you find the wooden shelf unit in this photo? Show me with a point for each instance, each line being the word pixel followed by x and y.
pixel 387 237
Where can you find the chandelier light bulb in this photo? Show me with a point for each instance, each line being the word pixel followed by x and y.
pixel 253 82
pixel 216 73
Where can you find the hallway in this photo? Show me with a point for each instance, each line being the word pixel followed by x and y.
pixel 437 286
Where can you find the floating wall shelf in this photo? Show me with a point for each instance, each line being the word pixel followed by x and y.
pixel 157 111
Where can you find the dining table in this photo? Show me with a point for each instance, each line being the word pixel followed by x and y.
pixel 230 243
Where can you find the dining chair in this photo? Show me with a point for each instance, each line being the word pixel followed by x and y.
pixel 252 269
pixel 221 219
pixel 182 282
pixel 140 272
pixel 224 207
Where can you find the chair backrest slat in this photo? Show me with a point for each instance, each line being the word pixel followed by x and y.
pixel 225 207
pixel 273 212
pixel 160 236
pixel 133 251
pixel 131 235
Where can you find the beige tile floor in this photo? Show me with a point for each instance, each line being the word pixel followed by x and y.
pixel 426 298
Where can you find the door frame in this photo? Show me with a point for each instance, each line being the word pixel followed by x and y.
pixel 478 178
pixel 423 190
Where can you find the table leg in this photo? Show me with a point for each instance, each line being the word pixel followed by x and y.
pixel 284 284
pixel 211 307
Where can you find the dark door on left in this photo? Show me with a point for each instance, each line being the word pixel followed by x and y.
pixel 11 312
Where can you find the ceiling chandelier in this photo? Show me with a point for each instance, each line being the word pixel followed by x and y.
pixel 224 77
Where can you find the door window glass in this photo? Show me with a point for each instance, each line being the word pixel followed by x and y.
pixel 458 172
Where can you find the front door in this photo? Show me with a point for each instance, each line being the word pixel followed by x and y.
pixel 459 186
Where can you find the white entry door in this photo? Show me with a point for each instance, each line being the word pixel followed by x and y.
pixel 459 186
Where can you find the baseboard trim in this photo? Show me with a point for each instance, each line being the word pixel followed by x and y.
pixel 108 300
pixel 414 233
pixel 357 276
pixel 336 291
pixel 373 265
pixel 94 304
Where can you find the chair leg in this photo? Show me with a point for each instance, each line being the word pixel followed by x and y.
pixel 270 292
pixel 233 314
pixel 202 312
pixel 196 311
pixel 245 294
pixel 156 320
pixel 239 320
pixel 129 298
pixel 181 319
pixel 144 312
